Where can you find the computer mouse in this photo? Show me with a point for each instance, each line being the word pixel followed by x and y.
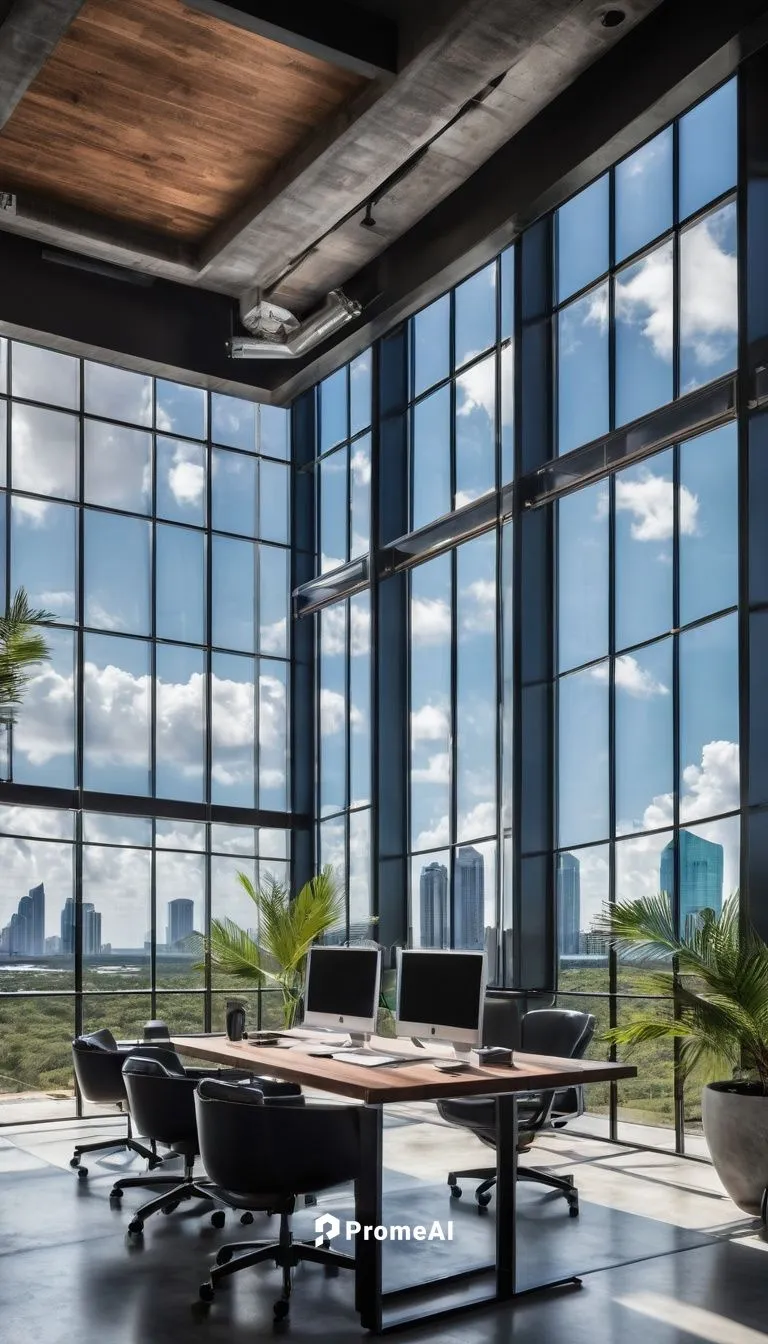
pixel 451 1065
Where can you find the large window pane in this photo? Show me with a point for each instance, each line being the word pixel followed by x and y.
pixel 37 950
pixel 234 594
pixel 274 485
pixel 709 517
pixel 430 919
pixel 709 719
pixel 431 335
pixel 45 375
pixel 360 876
pixel 274 585
pixel 360 699
pixel 181 481
pixel 117 705
pixel 273 735
pixel 583 756
pixel 476 709
pixel 643 307
pixel 180 409
pixel 180 905
pixel 233 481
pixel 582 561
pixel 180 723
pixel 708 149
pixel 431 458
pixel 334 422
pixel 582 409
pixel 233 727
pixel 430 703
pixel 44 734
pixel 475 317
pixel 116 916
pixel 43 551
pixel 274 432
pixel 581 232
pixel 118 394
pixel 118 467
pixel 643 548
pixel 708 298
pixel 180 584
pixel 360 496
pixel 644 751
pixel 44 453
pixel 583 885
pixel 476 431
pixel 36 1050
pixel 360 391
pixel 333 708
pixel 644 195
pixel 105 828
pixel 117 572
pixel 233 422
pixel 333 510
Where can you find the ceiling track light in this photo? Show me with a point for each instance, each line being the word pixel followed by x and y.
pixel 368 222
pixel 335 313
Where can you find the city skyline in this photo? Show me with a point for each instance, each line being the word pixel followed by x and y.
pixel 468 902
pixel 24 937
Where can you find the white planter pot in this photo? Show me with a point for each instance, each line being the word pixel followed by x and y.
pixel 735 1118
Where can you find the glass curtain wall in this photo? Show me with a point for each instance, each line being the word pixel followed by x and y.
pixel 647 579
pixel 151 520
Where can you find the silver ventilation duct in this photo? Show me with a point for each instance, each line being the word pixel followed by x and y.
pixel 278 335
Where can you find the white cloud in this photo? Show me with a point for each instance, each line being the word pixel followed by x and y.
pixel 360 465
pixel 644 298
pixel 333 708
pixel 708 275
pixel 186 479
pixel 479 613
pixel 637 681
pixel 479 820
pixel 431 723
pixel 436 771
pixel 476 389
pixel 334 626
pixel 430 621
pixel 712 786
pixel 435 836
pixel 273 637
pixel 650 501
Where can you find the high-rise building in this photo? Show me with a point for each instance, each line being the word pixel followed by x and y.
pixel 568 905
pixel 469 899
pixel 68 928
pixel 91 930
pixel 24 935
pixel 181 921
pixel 700 875
pixel 37 898
pixel 433 891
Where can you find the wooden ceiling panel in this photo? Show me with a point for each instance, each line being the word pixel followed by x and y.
pixel 151 113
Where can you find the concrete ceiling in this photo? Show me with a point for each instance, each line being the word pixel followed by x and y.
pixel 469 75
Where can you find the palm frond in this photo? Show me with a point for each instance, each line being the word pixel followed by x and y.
pixel 23 648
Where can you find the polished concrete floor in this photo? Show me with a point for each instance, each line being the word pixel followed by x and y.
pixel 663 1253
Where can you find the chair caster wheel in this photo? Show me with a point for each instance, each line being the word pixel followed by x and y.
pixel 82 1173
pixel 116 1193
pixel 573 1210
pixel 172 1207
pixel 281 1309
pixel 455 1192
pixel 484 1199
pixel 224 1256
pixel 205 1292
pixel 136 1227
pixel 218 1218
pixel 74 1162
pixel 246 1218
pixel 310 1201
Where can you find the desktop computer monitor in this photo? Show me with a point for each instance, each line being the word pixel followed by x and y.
pixel 342 988
pixel 440 995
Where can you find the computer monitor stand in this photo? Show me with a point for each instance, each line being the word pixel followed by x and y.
pixel 358 1039
pixel 461 1049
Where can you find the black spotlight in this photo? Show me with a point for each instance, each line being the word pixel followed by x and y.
pixel 612 18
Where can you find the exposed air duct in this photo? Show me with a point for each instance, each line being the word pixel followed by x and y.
pixel 277 334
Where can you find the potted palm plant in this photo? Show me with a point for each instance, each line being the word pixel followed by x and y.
pixel 717 974
pixel 275 953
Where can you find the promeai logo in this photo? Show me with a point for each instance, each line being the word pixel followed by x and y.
pixel 327 1227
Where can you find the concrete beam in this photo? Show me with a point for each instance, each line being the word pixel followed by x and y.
pixel 28 35
pixel 334 31
pixel 453 51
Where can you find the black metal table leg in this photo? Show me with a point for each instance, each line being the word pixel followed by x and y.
pixel 368 1213
pixel 506 1195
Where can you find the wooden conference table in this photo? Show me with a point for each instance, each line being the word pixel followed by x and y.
pixel 376 1087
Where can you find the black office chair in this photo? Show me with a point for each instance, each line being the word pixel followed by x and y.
pixel 161 1097
pixel 546 1031
pixel 98 1063
pixel 262 1156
